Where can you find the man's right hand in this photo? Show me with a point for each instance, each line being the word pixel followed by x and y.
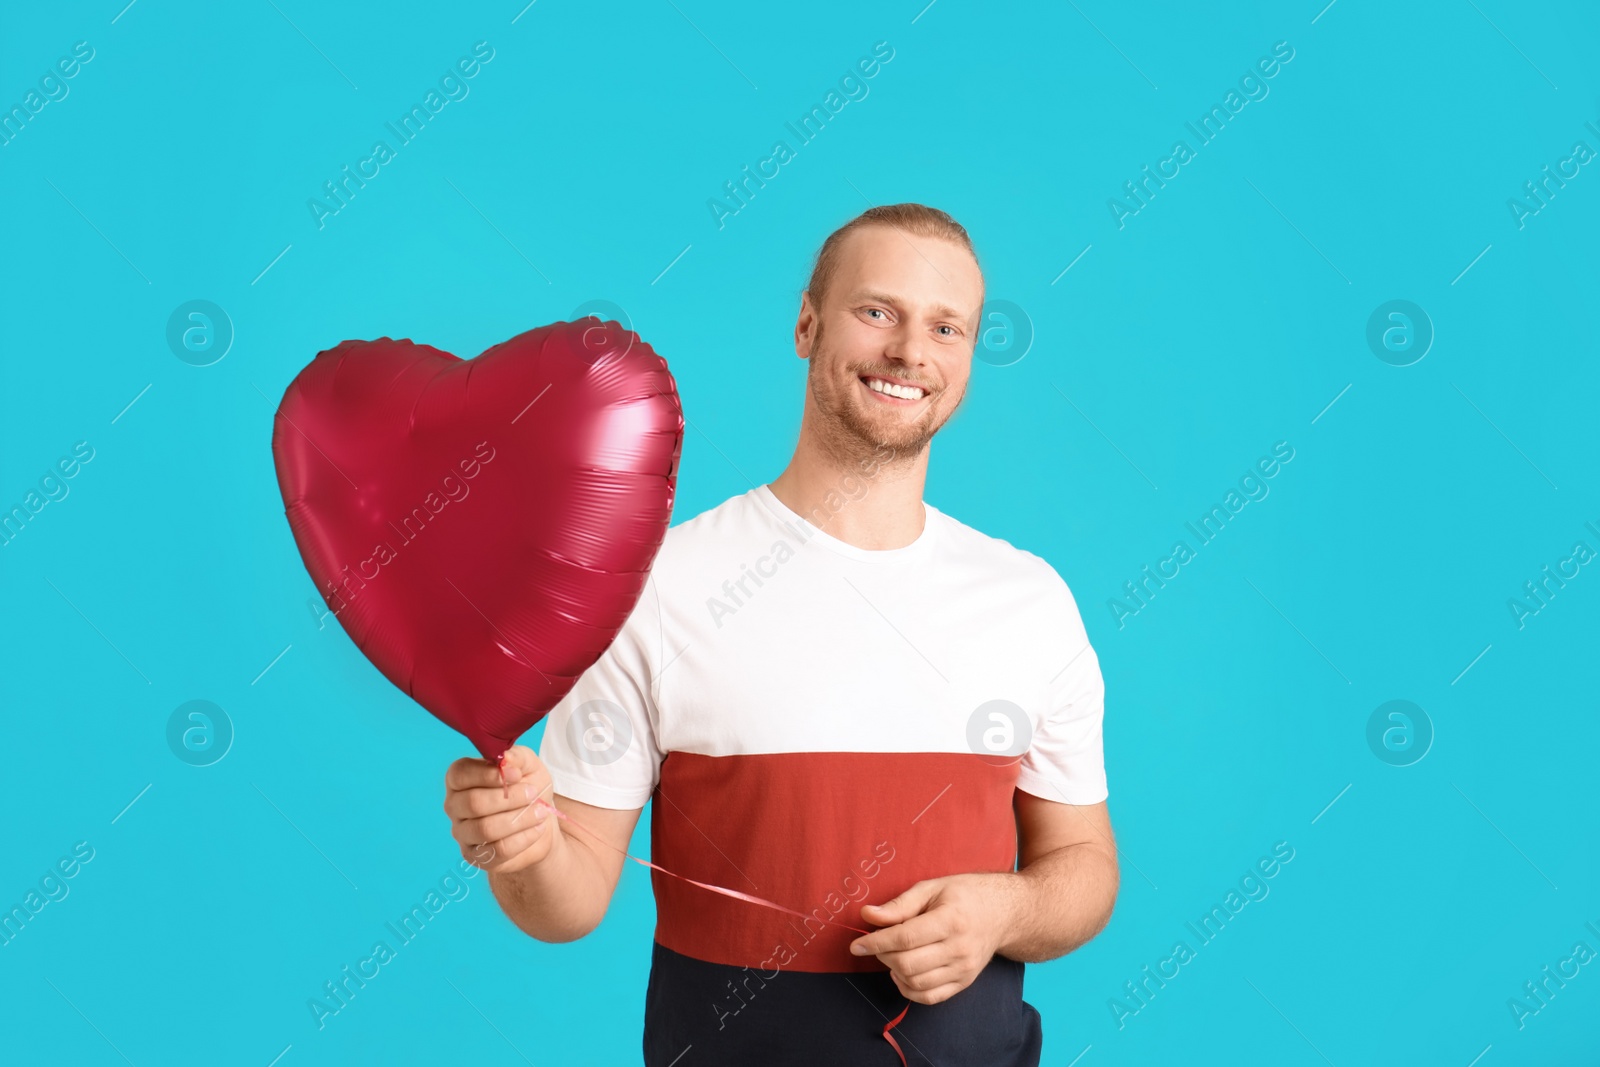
pixel 498 832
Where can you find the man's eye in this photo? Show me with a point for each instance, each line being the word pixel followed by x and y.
pixel 953 332
pixel 874 311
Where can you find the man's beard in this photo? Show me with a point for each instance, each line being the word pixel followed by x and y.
pixel 848 433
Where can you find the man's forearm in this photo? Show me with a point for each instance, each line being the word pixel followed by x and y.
pixel 560 898
pixel 1057 902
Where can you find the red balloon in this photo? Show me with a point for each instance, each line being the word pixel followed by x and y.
pixel 482 528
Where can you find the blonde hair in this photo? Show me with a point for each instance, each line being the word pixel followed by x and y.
pixel 916 219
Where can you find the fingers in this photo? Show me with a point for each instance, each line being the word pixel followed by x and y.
pixel 471 774
pixel 933 994
pixel 924 978
pixel 513 848
pixel 513 808
pixel 501 824
pixel 491 798
pixel 492 829
pixel 923 959
pixel 481 856
pixel 508 840
pixel 520 763
pixel 912 902
pixel 913 933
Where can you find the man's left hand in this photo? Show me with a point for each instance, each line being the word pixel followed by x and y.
pixel 940 934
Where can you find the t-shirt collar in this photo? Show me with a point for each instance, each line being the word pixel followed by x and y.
pixel 802 529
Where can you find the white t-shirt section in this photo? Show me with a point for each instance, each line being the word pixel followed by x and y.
pixel 759 633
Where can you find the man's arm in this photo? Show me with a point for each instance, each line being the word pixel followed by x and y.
pixel 1067 878
pixel 942 932
pixel 565 895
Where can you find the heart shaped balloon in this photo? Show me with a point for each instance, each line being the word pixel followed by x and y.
pixel 482 528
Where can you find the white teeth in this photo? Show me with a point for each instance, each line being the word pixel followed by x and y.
pixel 904 392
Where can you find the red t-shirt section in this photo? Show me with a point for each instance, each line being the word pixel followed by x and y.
pixel 819 832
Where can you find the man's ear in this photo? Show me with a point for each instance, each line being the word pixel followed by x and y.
pixel 805 323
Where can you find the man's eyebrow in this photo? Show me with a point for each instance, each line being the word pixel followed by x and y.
pixel 942 310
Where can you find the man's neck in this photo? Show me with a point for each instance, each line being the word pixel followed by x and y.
pixel 872 501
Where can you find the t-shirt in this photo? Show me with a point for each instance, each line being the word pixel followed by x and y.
pixel 822 726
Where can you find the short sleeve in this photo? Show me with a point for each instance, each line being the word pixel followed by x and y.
pixel 1066 760
pixel 600 741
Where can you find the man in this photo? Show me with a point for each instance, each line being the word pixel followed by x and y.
pixel 844 702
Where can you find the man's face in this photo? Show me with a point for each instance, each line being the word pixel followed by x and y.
pixel 901 310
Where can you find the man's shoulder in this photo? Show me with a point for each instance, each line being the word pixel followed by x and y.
pixel 995 552
pixel 709 532
pixel 1001 561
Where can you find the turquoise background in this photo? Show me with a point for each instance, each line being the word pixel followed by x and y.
pixel 1225 316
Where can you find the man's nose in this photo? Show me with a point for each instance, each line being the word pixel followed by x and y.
pixel 906 346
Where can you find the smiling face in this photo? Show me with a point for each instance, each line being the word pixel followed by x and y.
pixel 890 349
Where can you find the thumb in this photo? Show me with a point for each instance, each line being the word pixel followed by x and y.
pixel 514 765
pixel 902 907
